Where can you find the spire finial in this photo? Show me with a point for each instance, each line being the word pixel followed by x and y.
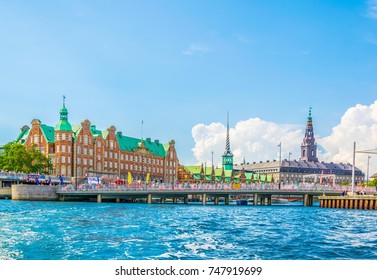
pixel 63 101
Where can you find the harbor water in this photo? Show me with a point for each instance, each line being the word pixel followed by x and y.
pixel 121 231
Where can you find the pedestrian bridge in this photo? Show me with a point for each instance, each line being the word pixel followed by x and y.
pixel 259 195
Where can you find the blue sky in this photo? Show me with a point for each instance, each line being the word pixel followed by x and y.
pixel 179 64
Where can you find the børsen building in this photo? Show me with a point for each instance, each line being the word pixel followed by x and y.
pixel 80 151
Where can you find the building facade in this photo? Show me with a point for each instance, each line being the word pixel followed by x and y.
pixel 204 174
pixel 308 169
pixel 82 150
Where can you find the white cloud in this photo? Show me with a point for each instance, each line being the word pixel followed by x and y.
pixel 256 140
pixel 196 49
pixel 253 139
pixel 358 124
pixel 372 8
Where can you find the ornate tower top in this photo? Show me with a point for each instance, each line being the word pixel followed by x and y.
pixel 227 145
pixel 63 124
pixel 308 146
pixel 310 113
pixel 228 155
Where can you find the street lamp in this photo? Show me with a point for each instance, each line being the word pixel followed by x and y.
pixel 279 164
pixel 289 160
pixel 369 157
pixel 75 145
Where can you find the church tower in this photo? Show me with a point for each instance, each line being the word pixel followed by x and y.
pixel 227 156
pixel 308 146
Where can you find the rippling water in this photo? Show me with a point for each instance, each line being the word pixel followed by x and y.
pixel 108 231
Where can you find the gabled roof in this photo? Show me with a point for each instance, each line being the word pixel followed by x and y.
pixel 193 169
pixel 156 148
pixel 218 172
pixel 76 129
pixel 95 132
pixel 23 135
pixel 166 147
pixel 196 169
pixel 104 134
pixel 48 133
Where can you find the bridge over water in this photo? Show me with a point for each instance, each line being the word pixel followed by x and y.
pixel 259 195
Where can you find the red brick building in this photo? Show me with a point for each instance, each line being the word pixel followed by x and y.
pixel 82 150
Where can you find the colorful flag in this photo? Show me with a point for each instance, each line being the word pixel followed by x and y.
pixel 147 178
pixel 129 178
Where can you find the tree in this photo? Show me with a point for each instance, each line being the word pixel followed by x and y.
pixel 16 157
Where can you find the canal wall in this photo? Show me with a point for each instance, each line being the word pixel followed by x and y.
pixel 366 202
pixel 34 192
pixel 5 192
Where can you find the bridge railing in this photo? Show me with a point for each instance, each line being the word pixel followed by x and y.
pixel 12 176
pixel 212 187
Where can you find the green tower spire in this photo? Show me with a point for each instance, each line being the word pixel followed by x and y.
pixel 228 155
pixel 63 124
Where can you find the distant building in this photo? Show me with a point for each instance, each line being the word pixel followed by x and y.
pixel 83 150
pixel 203 174
pixel 307 168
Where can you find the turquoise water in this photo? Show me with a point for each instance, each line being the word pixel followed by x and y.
pixel 109 231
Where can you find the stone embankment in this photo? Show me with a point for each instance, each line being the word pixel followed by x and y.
pixel 34 192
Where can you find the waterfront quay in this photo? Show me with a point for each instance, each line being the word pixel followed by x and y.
pixel 256 195
pixel 328 196
pixel 366 202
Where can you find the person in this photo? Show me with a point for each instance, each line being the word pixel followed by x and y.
pixel 61 179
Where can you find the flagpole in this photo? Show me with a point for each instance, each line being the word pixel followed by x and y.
pixel 353 167
pixel 279 165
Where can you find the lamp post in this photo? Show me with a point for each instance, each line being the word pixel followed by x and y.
pixel 369 157
pixel 289 160
pixel 353 168
pixel 76 164
pixel 279 164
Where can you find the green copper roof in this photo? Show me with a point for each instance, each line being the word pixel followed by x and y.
pixel 76 131
pixel 130 144
pixel 48 133
pixel 196 169
pixel 105 133
pixel 95 132
pixel 63 124
pixel 166 147
pixel 156 148
pixel 218 172
pixel 23 135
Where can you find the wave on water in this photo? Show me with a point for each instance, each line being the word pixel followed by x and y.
pixel 91 231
